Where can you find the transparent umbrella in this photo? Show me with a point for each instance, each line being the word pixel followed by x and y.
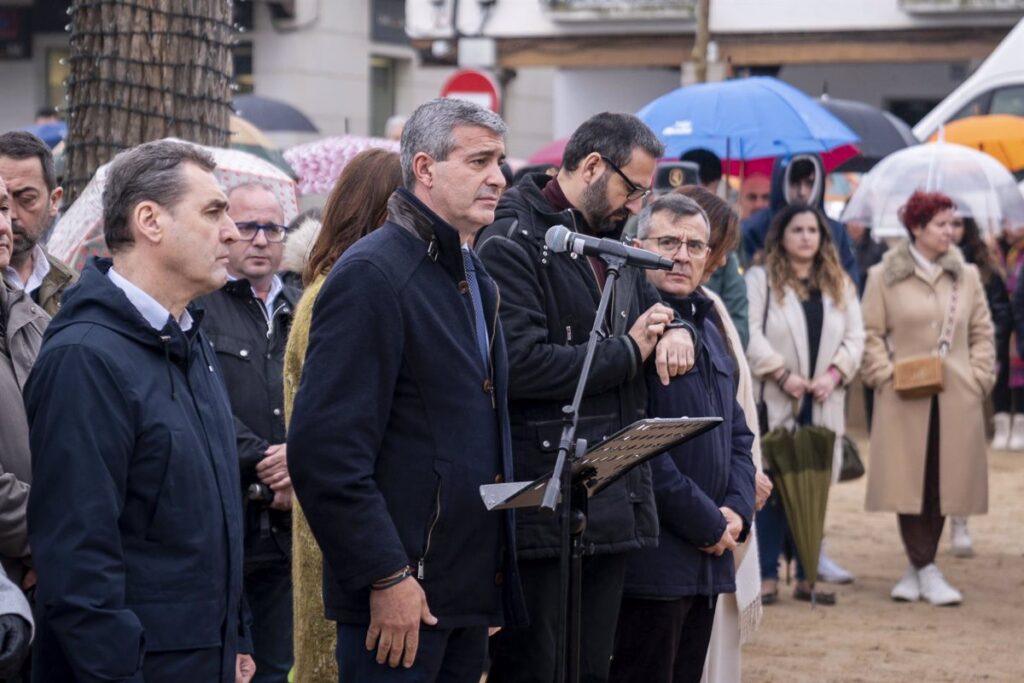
pixel 79 232
pixel 981 187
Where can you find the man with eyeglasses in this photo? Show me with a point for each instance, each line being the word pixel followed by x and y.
pixel 548 306
pixel 704 488
pixel 248 321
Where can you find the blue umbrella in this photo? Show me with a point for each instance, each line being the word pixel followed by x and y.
pixel 749 118
pixel 50 133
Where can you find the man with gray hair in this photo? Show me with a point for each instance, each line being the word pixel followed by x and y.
pixel 401 416
pixel 135 516
pixel 704 489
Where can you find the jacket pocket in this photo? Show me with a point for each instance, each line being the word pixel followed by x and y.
pixel 233 347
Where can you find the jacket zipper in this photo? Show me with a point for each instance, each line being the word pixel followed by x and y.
pixel 490 345
pixel 430 533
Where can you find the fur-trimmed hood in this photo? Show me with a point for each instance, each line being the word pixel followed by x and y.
pixel 899 264
pixel 298 244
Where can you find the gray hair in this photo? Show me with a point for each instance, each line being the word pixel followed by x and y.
pixel 680 206
pixel 149 172
pixel 431 127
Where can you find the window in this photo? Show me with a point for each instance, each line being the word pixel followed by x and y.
pixel 382 93
pixel 1008 101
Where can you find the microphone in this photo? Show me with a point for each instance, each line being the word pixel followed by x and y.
pixel 560 238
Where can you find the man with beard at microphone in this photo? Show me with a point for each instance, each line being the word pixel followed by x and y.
pixel 549 301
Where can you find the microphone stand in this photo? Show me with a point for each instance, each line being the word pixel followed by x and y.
pixel 573 512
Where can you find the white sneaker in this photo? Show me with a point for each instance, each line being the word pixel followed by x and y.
pixel 907 589
pixel 961 539
pixel 1001 426
pixel 935 589
pixel 1017 434
pixel 830 572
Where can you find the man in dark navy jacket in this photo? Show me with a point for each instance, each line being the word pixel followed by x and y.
pixel 401 416
pixel 704 489
pixel 135 516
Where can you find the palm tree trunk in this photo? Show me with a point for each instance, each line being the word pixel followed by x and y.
pixel 143 70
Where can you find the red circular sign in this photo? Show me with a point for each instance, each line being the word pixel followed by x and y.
pixel 475 86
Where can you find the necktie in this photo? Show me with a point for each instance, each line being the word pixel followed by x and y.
pixel 478 309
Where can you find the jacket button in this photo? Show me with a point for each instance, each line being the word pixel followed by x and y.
pixel 244 353
pixel 545 443
pixel 488 386
pixel 499 479
pixel 463 287
pixel 277 411
pixel 499 579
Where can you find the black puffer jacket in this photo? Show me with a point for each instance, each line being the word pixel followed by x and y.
pixel 548 303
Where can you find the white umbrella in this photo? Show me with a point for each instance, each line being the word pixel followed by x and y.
pixel 79 232
pixel 981 187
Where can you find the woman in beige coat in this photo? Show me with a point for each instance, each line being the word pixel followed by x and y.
pixel 928 456
pixel 803 351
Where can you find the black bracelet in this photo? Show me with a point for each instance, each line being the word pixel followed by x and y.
pixel 392 580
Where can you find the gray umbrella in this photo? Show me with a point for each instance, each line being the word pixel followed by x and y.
pixel 880 132
pixel 272 115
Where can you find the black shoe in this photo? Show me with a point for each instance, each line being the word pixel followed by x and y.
pixel 817 597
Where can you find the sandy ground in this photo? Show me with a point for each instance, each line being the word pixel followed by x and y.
pixel 869 638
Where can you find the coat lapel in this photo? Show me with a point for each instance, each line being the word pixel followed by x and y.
pixel 792 311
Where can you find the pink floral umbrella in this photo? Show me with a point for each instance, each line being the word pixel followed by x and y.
pixel 79 232
pixel 319 163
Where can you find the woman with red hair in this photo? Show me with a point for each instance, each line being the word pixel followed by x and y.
pixel 928 454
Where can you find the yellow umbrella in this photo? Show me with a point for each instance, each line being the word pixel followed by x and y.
pixel 248 138
pixel 999 135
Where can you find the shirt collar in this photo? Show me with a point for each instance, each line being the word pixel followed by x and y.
pixel 151 309
pixel 40 269
pixel 927 266
pixel 276 287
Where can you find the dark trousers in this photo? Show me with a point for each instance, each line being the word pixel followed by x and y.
pixel 1003 398
pixel 527 655
pixel 444 656
pixel 921 533
pixel 772 536
pixel 663 641
pixel 268 590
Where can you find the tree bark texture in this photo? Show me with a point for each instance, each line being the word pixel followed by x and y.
pixel 143 70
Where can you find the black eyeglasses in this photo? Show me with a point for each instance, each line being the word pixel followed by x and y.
pixel 635 191
pixel 272 231
pixel 668 246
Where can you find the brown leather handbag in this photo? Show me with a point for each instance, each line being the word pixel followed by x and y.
pixel 921 376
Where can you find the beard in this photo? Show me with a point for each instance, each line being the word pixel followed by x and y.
pixel 596 208
pixel 25 241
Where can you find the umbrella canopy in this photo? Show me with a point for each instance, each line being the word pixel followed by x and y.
pixel 270 114
pixel 981 187
pixel 880 132
pixel 999 135
pixel 79 232
pixel 800 463
pixel 748 118
pixel 50 133
pixel 249 138
pixel 320 163
pixel 550 153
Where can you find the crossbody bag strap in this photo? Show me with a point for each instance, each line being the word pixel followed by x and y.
pixel 764 321
pixel 946 336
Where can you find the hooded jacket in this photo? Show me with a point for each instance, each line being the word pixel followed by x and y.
pixel 755 228
pixel 692 481
pixel 398 422
pixel 135 520
pixel 548 306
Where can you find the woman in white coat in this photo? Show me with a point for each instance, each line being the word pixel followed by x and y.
pixel 806 341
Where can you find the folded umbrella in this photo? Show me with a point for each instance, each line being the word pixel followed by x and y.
pixel 800 463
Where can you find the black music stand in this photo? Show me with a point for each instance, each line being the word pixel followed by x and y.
pixel 597 469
